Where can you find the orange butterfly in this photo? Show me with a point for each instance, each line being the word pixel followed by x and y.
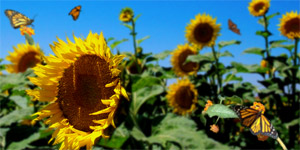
pixel 257 122
pixel 233 27
pixel 75 12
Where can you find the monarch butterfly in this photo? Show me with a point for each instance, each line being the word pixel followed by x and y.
pixel 257 122
pixel 75 12
pixel 233 27
pixel 17 19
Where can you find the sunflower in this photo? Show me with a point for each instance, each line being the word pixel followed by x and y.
pixel 259 7
pixel 126 14
pixel 179 57
pixel 24 56
pixel 182 97
pixel 290 25
pixel 83 89
pixel 202 31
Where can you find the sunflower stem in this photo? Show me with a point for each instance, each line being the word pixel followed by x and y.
pixel 294 71
pixel 217 120
pixel 281 143
pixel 134 37
pixel 267 46
pixel 217 69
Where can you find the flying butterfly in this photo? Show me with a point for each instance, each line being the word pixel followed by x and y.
pixel 257 122
pixel 17 19
pixel 75 12
pixel 233 27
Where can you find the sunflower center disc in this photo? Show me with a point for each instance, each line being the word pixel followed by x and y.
pixel 81 89
pixel 259 6
pixel 293 25
pixel 29 60
pixel 203 32
pixel 188 67
pixel 184 97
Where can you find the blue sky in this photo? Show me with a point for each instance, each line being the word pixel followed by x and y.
pixel 164 21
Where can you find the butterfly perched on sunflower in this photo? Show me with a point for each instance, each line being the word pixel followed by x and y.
pixel 75 12
pixel 254 118
pixel 17 19
pixel 233 27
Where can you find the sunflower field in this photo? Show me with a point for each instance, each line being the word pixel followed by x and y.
pixel 90 94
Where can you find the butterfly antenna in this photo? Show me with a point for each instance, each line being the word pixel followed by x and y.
pixel 34 17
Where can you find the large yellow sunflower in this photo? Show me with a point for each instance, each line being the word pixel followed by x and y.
pixel 25 56
pixel 259 7
pixel 179 57
pixel 182 97
pixel 82 85
pixel 202 31
pixel 290 25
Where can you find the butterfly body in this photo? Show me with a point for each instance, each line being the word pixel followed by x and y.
pixel 17 19
pixel 75 12
pixel 233 27
pixel 257 122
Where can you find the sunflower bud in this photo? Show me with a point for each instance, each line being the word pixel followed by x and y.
pixel 126 14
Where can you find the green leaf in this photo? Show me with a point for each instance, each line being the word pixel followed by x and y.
pixel 24 143
pixel 118 138
pixel 221 111
pixel 116 43
pixel 227 43
pixel 263 33
pixel 110 39
pixel 234 100
pixel 198 58
pixel 145 82
pixel 240 67
pixel 232 77
pixel 254 50
pixel 3 132
pixel 19 100
pixel 139 41
pixel 180 130
pixel 278 44
pixel 142 95
pixel 137 17
pixel 15 116
pixel 162 55
pixel 226 54
pixel 127 25
pixel 15 80
pixel 292 123
pixel 262 22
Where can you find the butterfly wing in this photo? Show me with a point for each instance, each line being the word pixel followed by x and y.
pixel 9 12
pixel 233 27
pixel 246 115
pixel 75 12
pixel 263 126
pixel 17 19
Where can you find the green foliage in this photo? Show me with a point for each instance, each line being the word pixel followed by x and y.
pixel 228 43
pixel 254 50
pixel 221 111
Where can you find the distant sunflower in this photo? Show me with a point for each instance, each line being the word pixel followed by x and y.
pixel 82 85
pixel 259 7
pixel 290 25
pixel 179 57
pixel 126 14
pixel 202 31
pixel 182 97
pixel 24 56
